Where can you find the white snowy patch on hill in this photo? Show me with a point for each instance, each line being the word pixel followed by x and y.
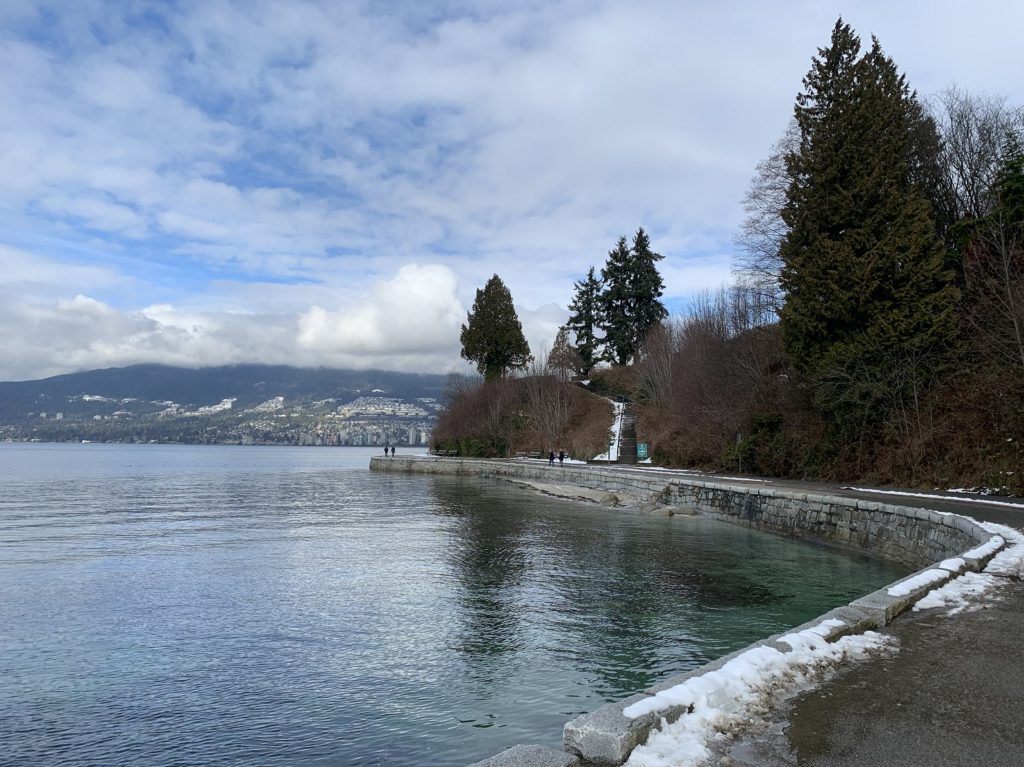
pixel 267 407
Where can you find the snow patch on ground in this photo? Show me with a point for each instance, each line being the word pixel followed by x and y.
pixel 1010 561
pixel 613 443
pixel 985 501
pixel 724 700
pixel 979 490
pixel 959 595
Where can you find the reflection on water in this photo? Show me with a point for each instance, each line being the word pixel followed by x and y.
pixel 234 606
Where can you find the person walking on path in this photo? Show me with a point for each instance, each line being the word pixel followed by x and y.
pixel 551 458
pixel 385 451
pixel 561 457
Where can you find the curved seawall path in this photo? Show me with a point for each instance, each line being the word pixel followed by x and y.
pixel 940 544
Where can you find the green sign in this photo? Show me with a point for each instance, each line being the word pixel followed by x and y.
pixel 641 450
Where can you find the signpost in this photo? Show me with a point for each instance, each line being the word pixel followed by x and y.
pixel 641 451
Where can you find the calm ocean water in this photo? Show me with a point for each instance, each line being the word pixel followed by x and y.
pixel 172 605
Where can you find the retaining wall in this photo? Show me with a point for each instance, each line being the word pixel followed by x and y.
pixel 914 537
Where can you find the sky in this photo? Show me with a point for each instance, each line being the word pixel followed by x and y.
pixel 328 183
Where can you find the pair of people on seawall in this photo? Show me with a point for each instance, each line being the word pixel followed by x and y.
pixel 392 451
pixel 551 458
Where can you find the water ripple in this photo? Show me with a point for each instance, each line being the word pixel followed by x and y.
pixel 237 606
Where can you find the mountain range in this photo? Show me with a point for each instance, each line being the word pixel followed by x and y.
pixel 235 403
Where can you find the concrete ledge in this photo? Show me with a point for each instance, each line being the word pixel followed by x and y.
pixel 883 606
pixel 606 736
pixel 530 756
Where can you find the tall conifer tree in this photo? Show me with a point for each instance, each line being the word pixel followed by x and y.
pixel 630 300
pixel 585 321
pixel 646 287
pixel 869 303
pixel 617 304
pixel 493 336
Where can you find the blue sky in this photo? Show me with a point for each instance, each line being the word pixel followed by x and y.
pixel 327 183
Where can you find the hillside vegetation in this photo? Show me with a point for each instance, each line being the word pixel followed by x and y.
pixel 536 413
pixel 875 329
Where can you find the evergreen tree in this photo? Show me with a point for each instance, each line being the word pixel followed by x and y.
pixel 585 321
pixel 563 360
pixel 869 302
pixel 616 305
pixel 646 287
pixel 493 336
pixel 630 302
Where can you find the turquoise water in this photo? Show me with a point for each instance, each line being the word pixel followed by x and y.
pixel 173 605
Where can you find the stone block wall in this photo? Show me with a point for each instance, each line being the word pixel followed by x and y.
pixel 910 536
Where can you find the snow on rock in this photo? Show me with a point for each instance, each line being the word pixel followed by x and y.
pixel 903 588
pixel 971 590
pixel 723 700
pixel 1009 561
pixel 953 565
pixel 986 549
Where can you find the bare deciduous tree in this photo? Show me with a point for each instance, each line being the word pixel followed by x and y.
pixel 757 264
pixel 550 404
pixel 655 363
pixel 973 129
pixel 994 277
pixel 564 360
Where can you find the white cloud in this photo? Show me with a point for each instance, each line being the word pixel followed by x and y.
pixel 418 312
pixel 410 322
pixel 274 157
pixel 540 326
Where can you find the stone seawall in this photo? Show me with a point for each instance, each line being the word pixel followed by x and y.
pixel 913 537
pixel 909 536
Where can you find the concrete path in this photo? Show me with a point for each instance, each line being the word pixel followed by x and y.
pixel 953 695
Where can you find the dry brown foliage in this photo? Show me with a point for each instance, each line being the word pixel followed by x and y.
pixel 537 413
